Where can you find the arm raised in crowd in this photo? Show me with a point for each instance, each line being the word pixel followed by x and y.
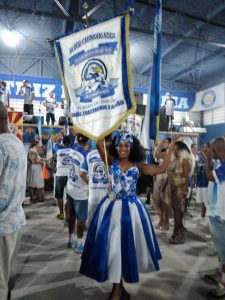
pixel 152 169
pixel 208 155
pixel 157 152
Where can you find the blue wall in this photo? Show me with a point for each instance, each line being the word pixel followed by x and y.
pixel 213 131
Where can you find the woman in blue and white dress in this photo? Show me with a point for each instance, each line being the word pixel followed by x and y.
pixel 121 241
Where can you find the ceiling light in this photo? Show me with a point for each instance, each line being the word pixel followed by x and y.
pixel 10 38
pixel 62 8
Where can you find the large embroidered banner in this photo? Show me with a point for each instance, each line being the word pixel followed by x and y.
pixel 15 123
pixel 96 73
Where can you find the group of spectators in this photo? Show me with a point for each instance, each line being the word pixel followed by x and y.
pixel 199 175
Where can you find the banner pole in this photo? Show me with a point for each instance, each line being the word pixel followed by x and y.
pixel 107 166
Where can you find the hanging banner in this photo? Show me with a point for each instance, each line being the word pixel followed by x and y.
pixel 15 123
pixel 210 98
pixel 96 73
pixel 134 124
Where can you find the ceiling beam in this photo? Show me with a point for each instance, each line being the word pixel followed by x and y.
pixel 177 11
pixel 74 16
pixel 188 39
pixel 211 15
pixel 34 12
pixel 219 52
pixel 73 11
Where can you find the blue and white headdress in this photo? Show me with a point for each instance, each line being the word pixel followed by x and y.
pixel 123 137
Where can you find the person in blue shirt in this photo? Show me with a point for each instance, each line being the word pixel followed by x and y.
pixel 13 167
pixel 217 209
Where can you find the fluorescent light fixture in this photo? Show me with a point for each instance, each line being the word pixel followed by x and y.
pixel 10 38
pixel 62 8
pixel 93 10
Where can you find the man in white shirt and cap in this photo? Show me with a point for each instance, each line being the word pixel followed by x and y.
pixel 170 104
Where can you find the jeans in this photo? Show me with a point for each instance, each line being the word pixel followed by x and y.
pixel 217 229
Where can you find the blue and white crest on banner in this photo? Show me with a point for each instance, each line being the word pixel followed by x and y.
pixel 95 82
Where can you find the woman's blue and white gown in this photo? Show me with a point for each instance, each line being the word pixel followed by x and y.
pixel 121 241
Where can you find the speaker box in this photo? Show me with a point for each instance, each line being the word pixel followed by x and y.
pixel 29 119
pixel 163 120
pixel 62 121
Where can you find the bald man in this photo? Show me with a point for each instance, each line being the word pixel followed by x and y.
pixel 13 166
pixel 216 176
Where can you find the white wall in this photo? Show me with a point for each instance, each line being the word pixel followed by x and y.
pixel 193 116
pixel 214 116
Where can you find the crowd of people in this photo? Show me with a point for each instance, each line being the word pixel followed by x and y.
pixel 120 242
pixel 27 92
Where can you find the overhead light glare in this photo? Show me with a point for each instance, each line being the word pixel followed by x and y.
pixel 10 38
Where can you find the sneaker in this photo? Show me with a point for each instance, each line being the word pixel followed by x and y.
pixel 79 247
pixel 72 244
pixel 219 292
pixel 213 278
pixel 60 216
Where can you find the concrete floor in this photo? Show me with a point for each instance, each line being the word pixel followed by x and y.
pixel 47 270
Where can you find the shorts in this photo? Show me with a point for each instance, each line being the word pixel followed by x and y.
pixel 28 108
pixel 217 229
pixel 201 195
pixel 60 184
pixel 50 116
pixel 78 208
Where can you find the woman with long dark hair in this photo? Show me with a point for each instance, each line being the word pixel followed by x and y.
pixel 121 241
pixel 179 170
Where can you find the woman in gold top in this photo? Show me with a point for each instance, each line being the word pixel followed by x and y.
pixel 181 167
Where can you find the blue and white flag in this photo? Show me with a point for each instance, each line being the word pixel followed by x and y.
pixel 151 120
pixel 155 96
pixel 49 152
pixel 96 73
pixel 39 130
pixel 66 126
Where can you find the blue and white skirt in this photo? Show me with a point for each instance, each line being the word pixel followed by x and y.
pixel 120 243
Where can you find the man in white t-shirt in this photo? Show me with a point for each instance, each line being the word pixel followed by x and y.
pixel 13 172
pixel 170 104
pixel 217 208
pixel 50 103
pixel 62 149
pixel 28 94
pixel 77 193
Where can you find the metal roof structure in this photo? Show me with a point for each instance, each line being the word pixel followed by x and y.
pixel 193 56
